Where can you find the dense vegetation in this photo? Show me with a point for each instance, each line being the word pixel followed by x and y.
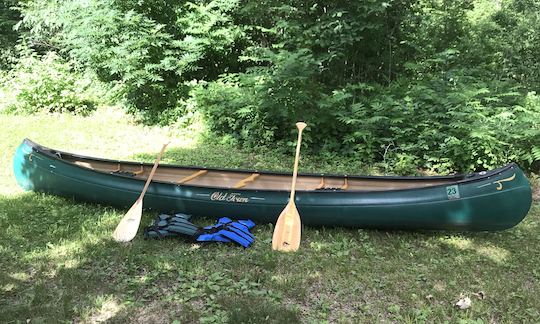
pixel 438 84
pixel 8 37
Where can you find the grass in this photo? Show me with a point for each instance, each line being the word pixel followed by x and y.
pixel 59 263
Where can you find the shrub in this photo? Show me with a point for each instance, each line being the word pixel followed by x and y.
pixel 455 122
pixel 8 36
pixel 150 50
pixel 444 85
pixel 260 107
pixel 45 84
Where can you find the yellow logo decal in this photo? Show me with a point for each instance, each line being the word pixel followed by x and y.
pixel 499 182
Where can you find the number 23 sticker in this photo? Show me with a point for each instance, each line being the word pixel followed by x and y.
pixel 452 192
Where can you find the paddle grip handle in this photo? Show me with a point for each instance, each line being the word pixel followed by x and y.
pixel 301 126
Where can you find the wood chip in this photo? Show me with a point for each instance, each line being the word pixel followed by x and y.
pixel 464 303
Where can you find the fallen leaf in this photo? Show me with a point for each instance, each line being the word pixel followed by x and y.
pixel 439 286
pixel 480 295
pixel 464 303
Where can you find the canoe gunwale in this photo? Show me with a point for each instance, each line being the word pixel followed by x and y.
pixel 459 179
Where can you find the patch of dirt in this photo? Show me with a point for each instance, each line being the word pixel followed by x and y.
pixel 536 193
pixel 534 180
pixel 108 310
pixel 158 312
pixel 340 304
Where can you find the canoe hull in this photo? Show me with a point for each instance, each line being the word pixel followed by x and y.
pixel 497 202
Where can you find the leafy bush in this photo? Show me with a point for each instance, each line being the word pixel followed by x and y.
pixel 444 85
pixel 149 50
pixel 453 123
pixel 454 106
pixel 9 17
pixel 260 106
pixel 504 41
pixel 45 84
pixel 457 123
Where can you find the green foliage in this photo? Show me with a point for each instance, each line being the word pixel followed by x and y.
pixel 338 73
pixel 505 41
pixel 45 84
pixel 9 17
pixel 475 125
pixel 435 84
pixel 262 102
pixel 150 53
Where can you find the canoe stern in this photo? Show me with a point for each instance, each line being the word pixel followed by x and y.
pixel 23 168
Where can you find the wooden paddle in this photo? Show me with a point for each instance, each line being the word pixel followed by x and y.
pixel 287 232
pixel 129 225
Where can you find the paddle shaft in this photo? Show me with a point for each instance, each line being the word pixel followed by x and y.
pixel 154 168
pixel 300 126
pixel 129 224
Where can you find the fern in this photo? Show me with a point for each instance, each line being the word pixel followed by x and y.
pixel 535 152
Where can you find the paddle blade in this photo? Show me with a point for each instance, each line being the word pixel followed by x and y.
pixel 129 225
pixel 287 232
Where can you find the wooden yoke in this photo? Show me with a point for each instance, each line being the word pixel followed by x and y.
pixel 244 182
pixel 193 176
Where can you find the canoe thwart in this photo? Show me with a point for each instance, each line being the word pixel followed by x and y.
pixel 193 176
pixel 345 184
pixel 320 185
pixel 242 183
pixel 119 170
pixel 139 172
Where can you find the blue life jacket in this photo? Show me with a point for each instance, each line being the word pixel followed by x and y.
pixel 226 230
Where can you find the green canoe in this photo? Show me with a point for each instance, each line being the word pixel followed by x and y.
pixel 488 200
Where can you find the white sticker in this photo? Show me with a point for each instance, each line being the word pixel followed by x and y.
pixel 452 192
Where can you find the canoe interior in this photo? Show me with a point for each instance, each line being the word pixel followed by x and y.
pixel 253 180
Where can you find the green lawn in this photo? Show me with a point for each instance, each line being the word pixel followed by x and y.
pixel 59 262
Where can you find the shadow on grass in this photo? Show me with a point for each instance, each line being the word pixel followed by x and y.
pixel 46 244
pixel 60 263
